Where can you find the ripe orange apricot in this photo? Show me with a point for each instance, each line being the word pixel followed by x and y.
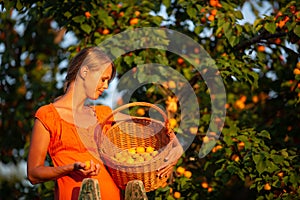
pixel 216 148
pixel 180 170
pixel 187 174
pixel 214 12
pixel 194 130
pixel 204 184
pixel 277 41
pixel 213 3
pixel 267 186
pixel 132 151
pixel 140 150
pixel 171 84
pixel 261 48
pixel 105 31
pixel 298 65
pixel 255 99
pixel 177 195
pixel 205 139
pixel 121 14
pixel 293 9
pixel 137 13
pixel 87 14
pixel 278 14
pixel 241 145
pixel 173 122
pixel 197 61
pixel 211 18
pixel 180 61
pixel 149 149
pixel 280 174
pixel 296 71
pixel 240 104
pixel 87 164
pixel 235 157
pixel 140 111
pixel 243 98
pixel 133 21
pixel 196 50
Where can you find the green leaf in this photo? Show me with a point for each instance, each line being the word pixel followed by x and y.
pixel 256 22
pixel 270 27
pixel 198 29
pixel 78 19
pixel 219 172
pixel 284 153
pixel 67 14
pixel 256 158
pixel 187 73
pixel 260 163
pixel 258 27
pixel 86 28
pixel 238 14
pixel 157 20
pixel 228 140
pixel 49 184
pixel 226 27
pixel 265 134
pixel 297 30
pixel 271 167
pixel 192 12
pixel 233 40
pixel 260 198
pixel 242 138
pixel 277 159
pixel 294 179
pixel 232 169
pixel 19 5
pixel 109 21
pixel 128 60
pixel 167 3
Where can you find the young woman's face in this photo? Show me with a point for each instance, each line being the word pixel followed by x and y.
pixel 97 81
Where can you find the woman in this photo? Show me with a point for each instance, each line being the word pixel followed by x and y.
pixel 65 129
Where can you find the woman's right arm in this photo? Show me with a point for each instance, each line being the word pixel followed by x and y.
pixel 37 172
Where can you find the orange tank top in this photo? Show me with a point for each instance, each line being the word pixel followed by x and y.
pixel 66 147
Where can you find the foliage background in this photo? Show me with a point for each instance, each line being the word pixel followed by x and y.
pixel 257 156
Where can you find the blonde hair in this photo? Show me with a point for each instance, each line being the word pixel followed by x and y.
pixel 92 57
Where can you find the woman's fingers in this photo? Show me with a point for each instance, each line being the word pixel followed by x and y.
pixel 87 168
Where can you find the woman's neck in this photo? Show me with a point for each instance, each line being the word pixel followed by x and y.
pixel 74 98
pixel 72 108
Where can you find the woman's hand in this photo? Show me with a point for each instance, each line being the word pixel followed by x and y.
pixel 88 168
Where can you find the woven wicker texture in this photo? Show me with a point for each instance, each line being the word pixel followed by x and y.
pixel 138 132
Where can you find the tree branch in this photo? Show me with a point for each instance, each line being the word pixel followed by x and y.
pixel 263 36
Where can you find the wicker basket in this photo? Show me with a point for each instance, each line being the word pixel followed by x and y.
pixel 134 132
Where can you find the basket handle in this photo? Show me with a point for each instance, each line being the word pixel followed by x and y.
pixel 137 104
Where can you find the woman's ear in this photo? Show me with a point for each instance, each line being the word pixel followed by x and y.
pixel 83 71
